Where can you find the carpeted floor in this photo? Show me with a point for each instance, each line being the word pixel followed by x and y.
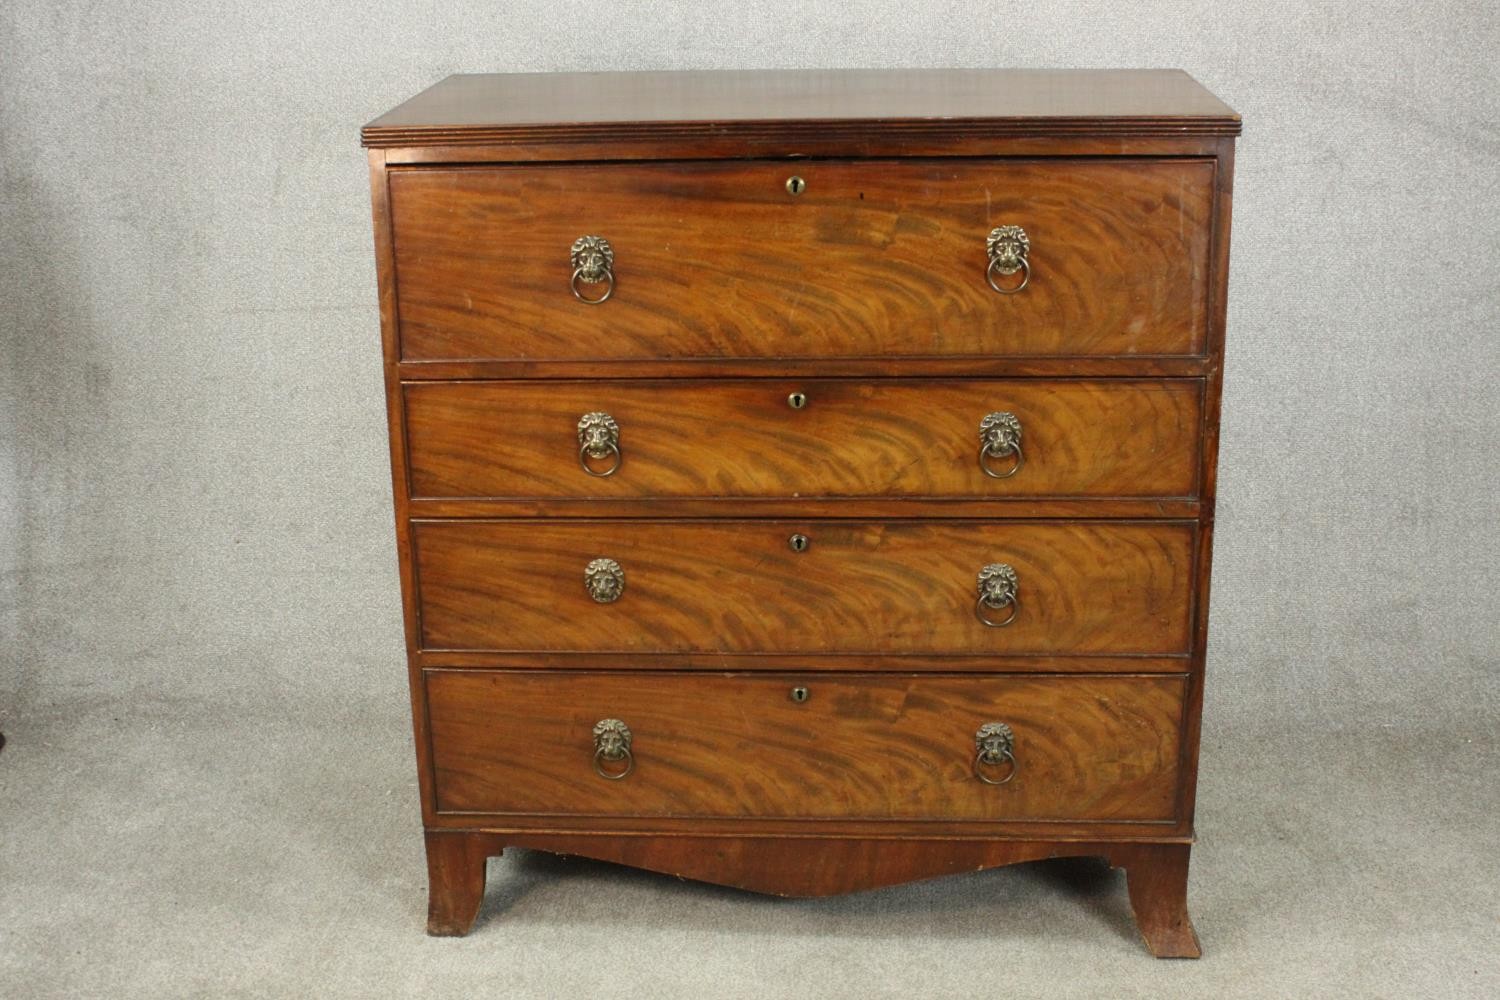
pixel 184 849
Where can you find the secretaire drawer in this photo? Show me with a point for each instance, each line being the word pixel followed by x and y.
pixel 810 438
pixel 878 746
pixel 826 586
pixel 868 258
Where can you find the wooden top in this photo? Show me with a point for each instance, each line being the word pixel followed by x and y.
pixel 537 107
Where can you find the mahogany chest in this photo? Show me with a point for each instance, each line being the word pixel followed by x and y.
pixel 804 481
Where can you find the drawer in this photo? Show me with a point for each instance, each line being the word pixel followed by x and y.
pixel 872 258
pixel 899 586
pixel 810 438
pixel 876 746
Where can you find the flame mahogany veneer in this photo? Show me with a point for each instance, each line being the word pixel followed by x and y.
pixel 774 594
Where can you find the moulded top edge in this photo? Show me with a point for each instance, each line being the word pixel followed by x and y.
pixel 535 107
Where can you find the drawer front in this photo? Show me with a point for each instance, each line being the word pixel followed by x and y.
pixel 855 586
pixel 877 746
pixel 889 438
pixel 873 258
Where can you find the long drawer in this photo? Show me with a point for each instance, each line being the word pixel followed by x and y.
pixel 879 746
pixel 869 259
pixel 827 586
pixel 807 438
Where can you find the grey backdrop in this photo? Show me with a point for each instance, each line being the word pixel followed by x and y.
pixel 201 614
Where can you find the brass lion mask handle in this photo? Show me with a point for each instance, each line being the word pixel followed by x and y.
pixel 611 746
pixel 599 441
pixel 995 747
pixel 593 263
pixel 999 588
pixel 999 438
pixel 604 579
pixel 1008 248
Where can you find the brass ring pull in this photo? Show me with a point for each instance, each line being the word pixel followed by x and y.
pixel 989 275
pixel 599 757
pixel 1000 437
pixel 599 439
pixel 1008 247
pixel 979 609
pixel 999 588
pixel 608 276
pixel 585 453
pixel 995 745
pixel 593 262
pixel 612 743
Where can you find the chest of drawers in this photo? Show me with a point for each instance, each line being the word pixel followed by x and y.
pixel 804 481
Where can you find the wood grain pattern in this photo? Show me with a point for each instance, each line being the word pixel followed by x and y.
pixel 1157 877
pixel 888 438
pixel 757 143
pixel 879 746
pixel 808 104
pixel 1208 478
pixel 857 662
pixel 874 274
pixel 860 508
pixel 736 586
pixel 876 258
pixel 455 879
pixel 807 865
pixel 767 826
pixel 956 366
pixel 396 438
